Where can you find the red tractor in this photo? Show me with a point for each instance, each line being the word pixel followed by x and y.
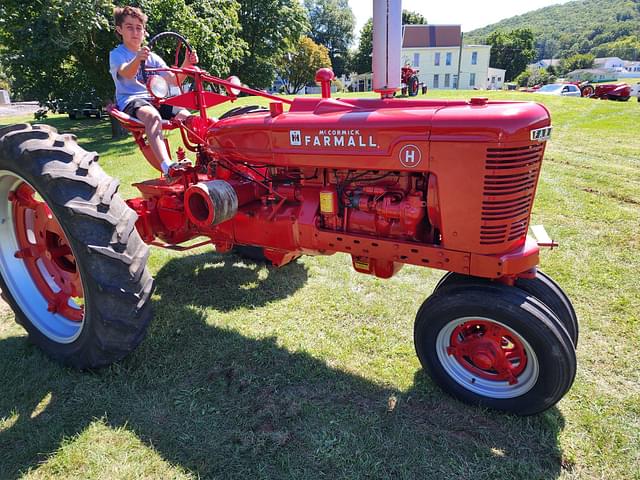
pixel 607 91
pixel 410 81
pixel 441 184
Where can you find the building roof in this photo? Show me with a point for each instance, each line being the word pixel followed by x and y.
pixel 594 71
pixel 605 59
pixel 426 36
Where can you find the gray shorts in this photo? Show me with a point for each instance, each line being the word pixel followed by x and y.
pixel 167 112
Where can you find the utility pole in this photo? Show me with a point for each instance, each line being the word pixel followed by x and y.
pixel 460 60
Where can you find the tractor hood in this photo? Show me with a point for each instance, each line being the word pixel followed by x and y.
pixel 370 133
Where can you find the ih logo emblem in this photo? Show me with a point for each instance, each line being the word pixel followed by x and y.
pixel 295 138
pixel 410 156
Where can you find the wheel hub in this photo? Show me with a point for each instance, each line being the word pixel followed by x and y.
pixel 47 255
pixel 488 350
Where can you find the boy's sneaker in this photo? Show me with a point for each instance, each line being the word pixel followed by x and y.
pixel 177 169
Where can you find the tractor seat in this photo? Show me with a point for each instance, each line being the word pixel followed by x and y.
pixel 133 124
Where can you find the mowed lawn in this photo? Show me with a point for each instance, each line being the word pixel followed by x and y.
pixel 309 371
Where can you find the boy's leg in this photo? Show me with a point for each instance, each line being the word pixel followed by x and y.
pixel 153 128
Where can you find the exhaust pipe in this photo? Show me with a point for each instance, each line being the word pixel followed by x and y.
pixel 387 45
pixel 210 203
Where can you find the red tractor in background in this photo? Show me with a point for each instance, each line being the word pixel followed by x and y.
pixel 433 183
pixel 411 82
pixel 607 91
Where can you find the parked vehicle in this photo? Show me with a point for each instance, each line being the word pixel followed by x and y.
pixel 442 184
pixel 561 89
pixel 635 91
pixel 87 110
pixel 612 91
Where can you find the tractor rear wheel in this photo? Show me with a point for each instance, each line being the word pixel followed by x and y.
pixel 72 265
pixel 495 346
pixel 542 287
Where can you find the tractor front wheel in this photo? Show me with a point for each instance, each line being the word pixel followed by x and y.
pixel 72 265
pixel 542 287
pixel 495 346
pixel 412 86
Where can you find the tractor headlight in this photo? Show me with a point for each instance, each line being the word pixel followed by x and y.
pixel 158 86
pixel 235 81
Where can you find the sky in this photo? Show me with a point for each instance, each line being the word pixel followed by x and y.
pixel 471 14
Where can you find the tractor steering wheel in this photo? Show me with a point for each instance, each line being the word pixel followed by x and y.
pixel 180 42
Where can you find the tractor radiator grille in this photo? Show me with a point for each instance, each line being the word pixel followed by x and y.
pixel 511 175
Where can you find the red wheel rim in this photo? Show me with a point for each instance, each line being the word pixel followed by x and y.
pixel 488 350
pixel 47 254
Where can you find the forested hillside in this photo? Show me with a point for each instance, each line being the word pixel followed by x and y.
pixel 600 27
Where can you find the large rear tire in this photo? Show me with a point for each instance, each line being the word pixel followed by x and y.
pixel 72 265
pixel 495 346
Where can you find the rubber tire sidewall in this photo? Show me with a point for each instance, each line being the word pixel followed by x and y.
pixel 80 352
pixel 534 323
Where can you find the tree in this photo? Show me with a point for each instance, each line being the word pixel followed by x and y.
pixel 270 28
pixel 512 51
pixel 626 47
pixel 536 76
pixel 577 62
pixel 332 23
pixel 298 67
pixel 412 18
pixel 361 60
pixel 60 48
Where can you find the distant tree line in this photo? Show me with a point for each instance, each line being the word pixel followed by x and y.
pixel 603 28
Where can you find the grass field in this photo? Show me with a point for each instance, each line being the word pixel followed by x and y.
pixel 255 372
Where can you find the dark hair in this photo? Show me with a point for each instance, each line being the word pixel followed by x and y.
pixel 119 14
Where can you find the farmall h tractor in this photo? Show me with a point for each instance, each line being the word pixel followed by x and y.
pixel 441 184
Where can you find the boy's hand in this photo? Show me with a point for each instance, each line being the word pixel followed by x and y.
pixel 143 54
pixel 190 59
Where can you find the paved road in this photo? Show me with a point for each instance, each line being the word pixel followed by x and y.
pixel 19 108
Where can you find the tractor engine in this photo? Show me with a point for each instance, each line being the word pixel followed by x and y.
pixel 444 184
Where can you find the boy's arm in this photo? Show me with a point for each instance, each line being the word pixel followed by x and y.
pixel 130 69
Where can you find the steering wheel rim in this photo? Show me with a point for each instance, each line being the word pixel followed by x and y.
pixel 181 41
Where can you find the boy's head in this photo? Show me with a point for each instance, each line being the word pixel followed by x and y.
pixel 130 24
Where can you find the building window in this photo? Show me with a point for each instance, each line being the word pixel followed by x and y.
pixel 437 60
pixel 436 81
pixel 472 79
pixel 474 58
pixel 499 79
pixel 455 81
pixel 447 80
pixel 416 59
pixel 448 59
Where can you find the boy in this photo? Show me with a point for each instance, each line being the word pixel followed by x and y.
pixel 131 92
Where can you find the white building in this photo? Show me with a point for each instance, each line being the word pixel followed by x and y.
pixel 609 63
pixel 436 51
pixel 495 78
pixel 545 63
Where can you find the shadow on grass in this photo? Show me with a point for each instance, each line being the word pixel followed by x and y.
pixel 219 404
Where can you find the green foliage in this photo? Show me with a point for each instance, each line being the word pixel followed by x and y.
pixel 298 67
pixel 270 28
pixel 577 62
pixel 60 48
pixel 627 48
pixel 412 18
pixel 587 26
pixel 332 23
pixel 361 61
pixel 534 76
pixel 512 51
